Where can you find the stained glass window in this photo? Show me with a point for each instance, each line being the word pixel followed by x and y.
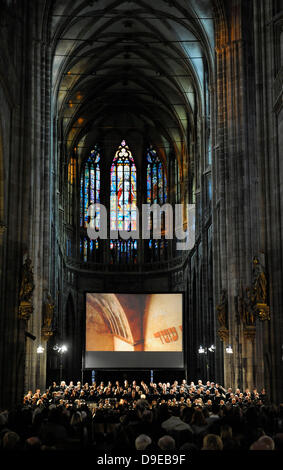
pixel 71 185
pixel 123 251
pixel 89 194
pixel 123 203
pixel 156 185
pixel 156 181
pixel 177 182
pixel 90 187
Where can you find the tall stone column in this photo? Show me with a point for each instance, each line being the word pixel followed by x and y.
pixel 235 206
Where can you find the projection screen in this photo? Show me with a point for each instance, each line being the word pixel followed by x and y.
pixel 134 330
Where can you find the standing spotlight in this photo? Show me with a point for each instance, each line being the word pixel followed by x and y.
pixel 40 349
pixel 229 349
pixel 60 350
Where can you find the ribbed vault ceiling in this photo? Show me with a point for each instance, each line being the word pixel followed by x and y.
pixel 130 65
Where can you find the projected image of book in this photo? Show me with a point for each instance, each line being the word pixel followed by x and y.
pixel 134 322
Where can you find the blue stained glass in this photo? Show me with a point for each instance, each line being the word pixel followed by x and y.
pixel 160 183
pixel 90 186
pixel 148 185
pixel 156 185
pixel 165 187
pixel 81 201
pixel 156 179
pixel 85 249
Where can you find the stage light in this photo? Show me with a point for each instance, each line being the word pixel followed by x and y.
pixel 212 348
pixel 229 349
pixel 60 349
pixel 40 349
pixel 201 350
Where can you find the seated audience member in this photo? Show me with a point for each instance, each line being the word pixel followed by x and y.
pixel 32 444
pixel 226 434
pixel 212 442
pixel 11 441
pixel 198 422
pixel 263 443
pixel 142 442
pixel 166 443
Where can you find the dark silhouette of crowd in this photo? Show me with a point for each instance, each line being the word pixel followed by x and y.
pixel 159 417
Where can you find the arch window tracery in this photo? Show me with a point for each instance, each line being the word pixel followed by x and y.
pixel 89 194
pixel 157 193
pixel 123 204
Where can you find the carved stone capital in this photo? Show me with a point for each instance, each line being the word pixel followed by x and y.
pixel 2 228
pixel 223 333
pixel 46 334
pixel 25 310
pixel 262 311
pixel 249 332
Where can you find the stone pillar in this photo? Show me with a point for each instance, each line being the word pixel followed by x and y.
pixel 235 201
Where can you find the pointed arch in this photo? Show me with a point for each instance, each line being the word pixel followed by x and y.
pixel 123 204
pixel 123 190
pixel 156 179
pixel 156 193
pixel 90 186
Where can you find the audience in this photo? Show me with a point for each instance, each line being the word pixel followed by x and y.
pixel 144 417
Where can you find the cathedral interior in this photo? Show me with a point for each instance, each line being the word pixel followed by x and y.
pixel 187 94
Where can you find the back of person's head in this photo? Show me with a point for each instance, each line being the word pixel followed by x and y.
pixel 76 419
pixel 142 442
pixel 26 416
pixel 166 443
pixel 141 405
pixel 205 413
pixel 212 442
pixel 32 443
pixel 3 418
pixel 147 416
pixel 189 447
pixel 53 414
pixel 278 441
pixel 263 443
pixel 186 414
pixel 226 432
pixel 198 418
pixel 10 441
